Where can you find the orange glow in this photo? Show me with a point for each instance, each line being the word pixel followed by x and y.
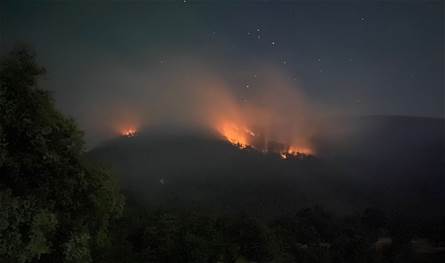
pixel 296 152
pixel 243 137
pixel 235 135
pixel 299 150
pixel 131 132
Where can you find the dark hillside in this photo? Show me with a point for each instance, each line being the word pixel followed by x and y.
pixel 387 162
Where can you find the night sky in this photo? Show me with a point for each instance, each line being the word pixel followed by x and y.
pixel 359 59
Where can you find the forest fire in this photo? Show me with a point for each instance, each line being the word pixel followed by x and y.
pixel 296 152
pixel 129 132
pixel 243 137
pixel 240 137
pixel 299 150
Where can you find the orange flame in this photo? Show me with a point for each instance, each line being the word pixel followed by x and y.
pixel 235 135
pixel 131 132
pixel 243 137
pixel 293 150
pixel 296 151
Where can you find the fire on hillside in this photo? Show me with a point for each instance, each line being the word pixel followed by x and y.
pixel 243 137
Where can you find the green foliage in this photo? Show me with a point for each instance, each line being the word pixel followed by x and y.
pixel 17 213
pixel 55 206
pixel 166 236
pixel 310 235
pixel 77 248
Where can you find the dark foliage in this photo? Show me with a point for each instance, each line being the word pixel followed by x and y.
pixel 309 235
pixel 55 206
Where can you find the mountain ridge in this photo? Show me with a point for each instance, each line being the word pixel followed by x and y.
pixel 187 170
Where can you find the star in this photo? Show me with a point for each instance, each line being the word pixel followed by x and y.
pixel 273 43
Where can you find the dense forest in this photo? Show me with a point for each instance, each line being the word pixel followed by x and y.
pixel 57 205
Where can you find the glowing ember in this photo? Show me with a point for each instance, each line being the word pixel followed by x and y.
pixel 129 133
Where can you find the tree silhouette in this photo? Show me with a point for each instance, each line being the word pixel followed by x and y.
pixel 55 206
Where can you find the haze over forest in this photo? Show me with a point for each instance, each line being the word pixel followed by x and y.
pixel 222 131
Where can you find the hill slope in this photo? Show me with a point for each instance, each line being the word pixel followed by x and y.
pixel 395 163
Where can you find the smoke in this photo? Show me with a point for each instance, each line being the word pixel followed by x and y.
pixel 188 95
